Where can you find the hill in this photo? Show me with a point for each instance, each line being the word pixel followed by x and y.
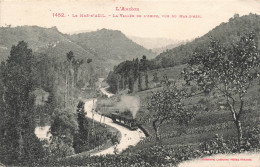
pixel 225 32
pixel 105 47
pixel 212 130
pixel 112 45
pixel 125 74
pixel 48 41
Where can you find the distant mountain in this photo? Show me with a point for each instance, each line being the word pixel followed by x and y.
pixel 106 48
pixel 168 47
pixel 43 40
pixel 112 45
pixel 153 43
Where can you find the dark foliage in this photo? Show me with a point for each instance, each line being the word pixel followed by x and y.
pixel 18 141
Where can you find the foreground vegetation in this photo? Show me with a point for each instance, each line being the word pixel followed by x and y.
pixel 166 155
pixel 58 87
pixel 214 129
pixel 207 106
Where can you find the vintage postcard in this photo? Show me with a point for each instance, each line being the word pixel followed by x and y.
pixel 130 83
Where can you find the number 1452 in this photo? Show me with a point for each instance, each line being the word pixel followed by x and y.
pixel 58 14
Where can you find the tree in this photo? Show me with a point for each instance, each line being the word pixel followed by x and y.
pixel 146 81
pixel 92 78
pixel 155 77
pixel 227 70
pixel 113 81
pixel 3 147
pixel 166 62
pixel 89 60
pixel 131 84
pixel 167 105
pixel 76 64
pixel 69 77
pixel 137 73
pixel 70 56
pixel 19 82
pixel 81 138
pixel 63 129
pixel 145 69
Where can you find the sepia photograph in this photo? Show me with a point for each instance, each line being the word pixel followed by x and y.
pixel 130 83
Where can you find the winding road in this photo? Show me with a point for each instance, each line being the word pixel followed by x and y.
pixel 128 137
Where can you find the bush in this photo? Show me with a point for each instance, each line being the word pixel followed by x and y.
pixel 252 138
pixel 166 155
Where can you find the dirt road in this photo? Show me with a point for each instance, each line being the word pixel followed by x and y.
pixel 128 137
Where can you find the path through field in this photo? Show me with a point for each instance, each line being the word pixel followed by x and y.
pixel 105 92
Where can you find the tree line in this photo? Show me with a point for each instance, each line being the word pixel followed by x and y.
pixel 130 75
pixel 23 73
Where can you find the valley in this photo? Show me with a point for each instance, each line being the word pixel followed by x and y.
pixel 108 100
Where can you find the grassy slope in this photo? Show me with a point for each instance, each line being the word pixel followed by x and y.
pixel 225 32
pixel 205 125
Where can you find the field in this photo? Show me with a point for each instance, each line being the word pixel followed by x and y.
pixel 213 119
pixel 212 130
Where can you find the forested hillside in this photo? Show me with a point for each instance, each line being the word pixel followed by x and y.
pixel 112 46
pixel 44 75
pixel 134 75
pixel 225 32
pixel 40 90
pixel 106 48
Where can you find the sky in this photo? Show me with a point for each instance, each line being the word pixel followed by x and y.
pixel 211 13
